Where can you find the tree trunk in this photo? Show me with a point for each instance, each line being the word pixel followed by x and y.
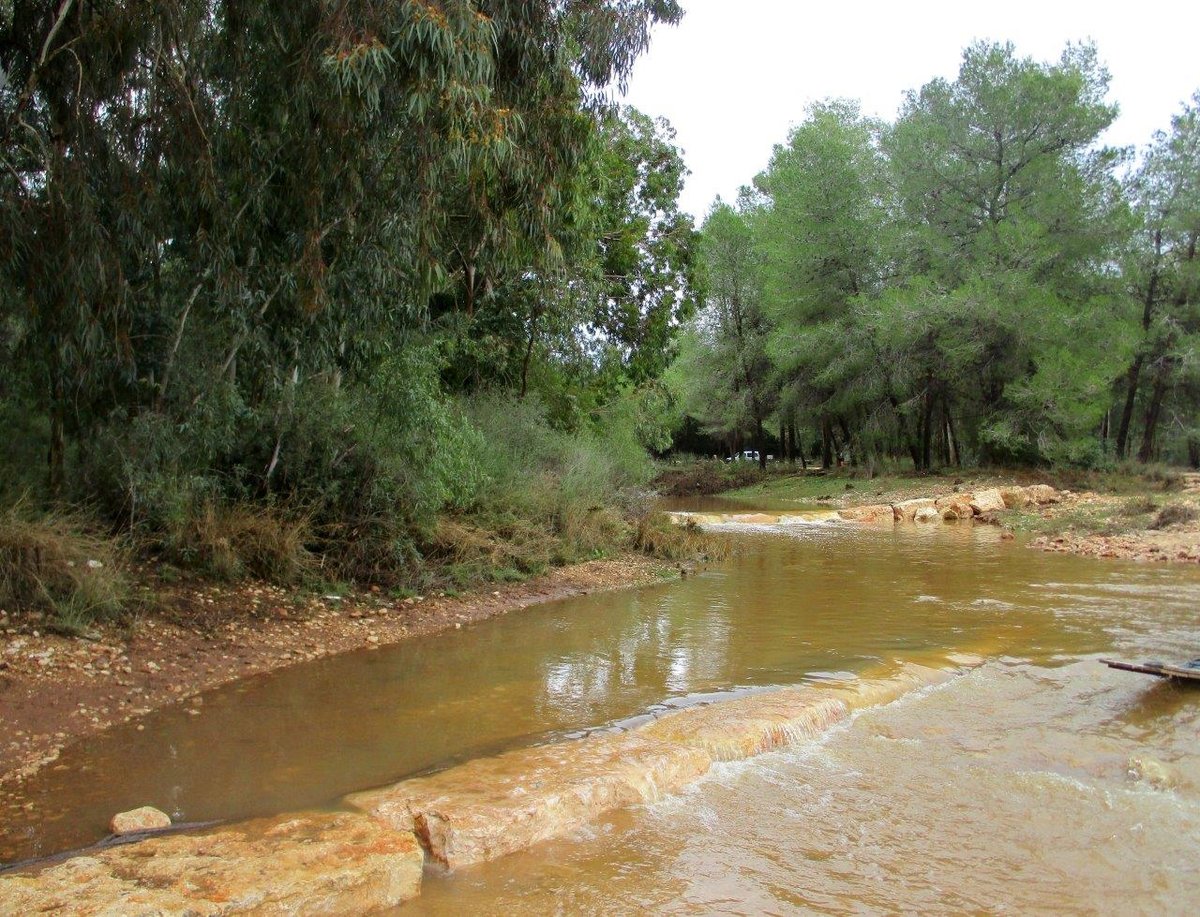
pixel 528 354
pixel 826 444
pixel 56 459
pixel 1135 372
pixel 1146 453
pixel 761 442
pixel 927 433
pixel 952 440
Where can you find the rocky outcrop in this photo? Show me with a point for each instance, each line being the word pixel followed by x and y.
pixel 955 507
pixel 492 807
pixel 877 514
pixel 987 501
pixel 139 821
pixel 1042 494
pixel 1015 497
pixel 495 806
pixel 342 863
pixel 927 515
pixel 907 511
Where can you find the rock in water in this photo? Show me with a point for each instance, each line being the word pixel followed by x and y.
pixel 871 515
pixel 907 511
pixel 1152 772
pixel 139 821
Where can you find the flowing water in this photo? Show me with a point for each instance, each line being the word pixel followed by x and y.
pixel 1042 781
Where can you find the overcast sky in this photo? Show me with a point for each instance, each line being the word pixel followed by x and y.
pixel 736 74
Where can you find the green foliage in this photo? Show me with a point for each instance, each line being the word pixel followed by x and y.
pixel 256 258
pixel 955 287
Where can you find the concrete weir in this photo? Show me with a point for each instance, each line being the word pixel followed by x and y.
pixel 371 858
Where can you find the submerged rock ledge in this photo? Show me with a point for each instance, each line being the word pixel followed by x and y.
pixel 491 807
pixel 370 859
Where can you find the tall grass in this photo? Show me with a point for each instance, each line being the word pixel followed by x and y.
pixel 58 564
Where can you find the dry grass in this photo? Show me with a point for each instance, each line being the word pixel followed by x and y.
pixel 233 542
pixel 1174 514
pixel 56 564
pixel 658 536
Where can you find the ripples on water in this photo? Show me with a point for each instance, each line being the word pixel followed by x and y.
pixel 1010 789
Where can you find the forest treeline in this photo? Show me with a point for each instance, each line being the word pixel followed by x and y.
pixel 979 281
pixel 357 284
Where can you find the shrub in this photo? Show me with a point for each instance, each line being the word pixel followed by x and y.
pixel 1175 514
pixel 658 536
pixel 242 540
pixel 56 564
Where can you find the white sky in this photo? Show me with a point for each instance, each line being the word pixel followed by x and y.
pixel 736 74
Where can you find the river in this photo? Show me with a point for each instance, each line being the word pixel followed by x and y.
pixel 1041 781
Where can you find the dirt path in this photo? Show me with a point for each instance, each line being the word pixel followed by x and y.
pixel 55 690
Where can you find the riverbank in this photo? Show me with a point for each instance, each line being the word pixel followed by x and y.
pixel 56 690
pixel 1153 517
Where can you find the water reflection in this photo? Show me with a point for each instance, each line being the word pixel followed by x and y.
pixel 789 608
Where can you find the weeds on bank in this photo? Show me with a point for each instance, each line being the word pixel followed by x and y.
pixel 657 536
pixel 56 564
pixel 235 542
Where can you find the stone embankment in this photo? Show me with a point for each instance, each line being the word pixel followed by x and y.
pixel 954 507
pixel 371 858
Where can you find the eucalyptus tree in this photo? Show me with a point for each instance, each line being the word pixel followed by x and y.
pixel 204 203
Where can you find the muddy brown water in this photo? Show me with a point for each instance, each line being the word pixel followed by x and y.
pixel 1040 782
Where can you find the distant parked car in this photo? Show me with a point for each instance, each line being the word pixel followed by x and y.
pixel 746 455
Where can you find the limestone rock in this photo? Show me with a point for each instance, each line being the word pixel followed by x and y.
pixel 1015 497
pixel 1041 494
pixel 955 507
pixel 929 514
pixel 988 501
pixel 343 863
pixel 491 807
pixel 872 515
pixel 907 511
pixel 137 821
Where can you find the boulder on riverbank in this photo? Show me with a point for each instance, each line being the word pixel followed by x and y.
pixel 907 510
pixel 139 821
pixel 987 501
pixel 877 514
pixel 342 863
pixel 955 507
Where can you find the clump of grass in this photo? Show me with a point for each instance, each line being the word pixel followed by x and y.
pixel 57 564
pixel 1139 506
pixel 1175 514
pixel 657 536
pixel 233 542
